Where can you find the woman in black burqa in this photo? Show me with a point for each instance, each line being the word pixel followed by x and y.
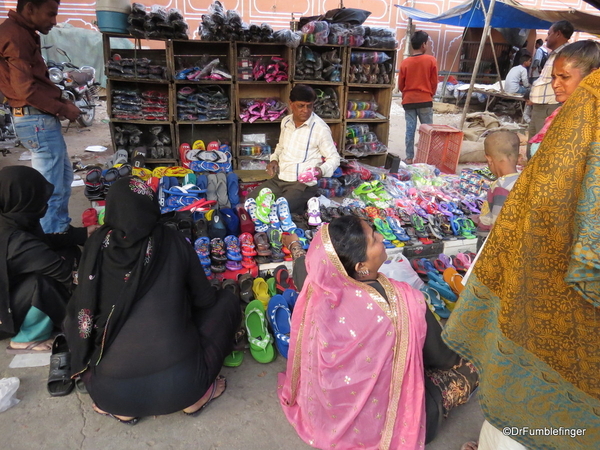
pixel 35 268
pixel 147 332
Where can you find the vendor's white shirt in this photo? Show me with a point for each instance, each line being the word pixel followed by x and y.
pixel 516 78
pixel 303 147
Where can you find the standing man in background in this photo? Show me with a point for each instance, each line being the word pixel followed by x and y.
pixel 36 102
pixel 418 82
pixel 539 60
pixel 542 95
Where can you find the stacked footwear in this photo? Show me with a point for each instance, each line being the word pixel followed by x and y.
pixel 218 255
pixel 313 65
pixel 326 105
pixel 202 103
pixel 202 247
pixel 233 253
pixel 119 67
pixel 207 67
pixel 269 109
pixel 370 67
pixel 159 23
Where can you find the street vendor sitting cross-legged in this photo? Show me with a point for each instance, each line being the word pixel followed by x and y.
pixel 305 145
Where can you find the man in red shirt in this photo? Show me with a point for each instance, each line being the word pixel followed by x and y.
pixel 418 83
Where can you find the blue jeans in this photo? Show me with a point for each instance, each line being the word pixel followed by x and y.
pixel 42 134
pixel 425 115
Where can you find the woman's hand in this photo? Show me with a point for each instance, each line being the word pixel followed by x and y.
pixel 287 239
pixel 91 229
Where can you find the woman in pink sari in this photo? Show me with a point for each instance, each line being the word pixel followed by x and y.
pixel 356 372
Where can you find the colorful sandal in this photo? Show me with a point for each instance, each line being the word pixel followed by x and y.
pixel 261 342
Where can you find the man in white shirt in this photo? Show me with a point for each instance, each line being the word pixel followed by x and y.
pixel 305 143
pixel 517 81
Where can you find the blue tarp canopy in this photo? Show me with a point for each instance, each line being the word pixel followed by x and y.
pixel 507 14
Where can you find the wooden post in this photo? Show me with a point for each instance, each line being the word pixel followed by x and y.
pixel 486 30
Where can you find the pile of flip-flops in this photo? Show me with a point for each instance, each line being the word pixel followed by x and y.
pixel 443 280
pixel 119 67
pixel 362 141
pixel 133 104
pixel 158 23
pixel 206 67
pixel 216 157
pixel 318 66
pixel 202 103
pixel 269 109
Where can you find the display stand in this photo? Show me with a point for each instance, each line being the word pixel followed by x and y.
pixel 239 58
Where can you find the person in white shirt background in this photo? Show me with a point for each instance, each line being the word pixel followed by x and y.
pixel 517 81
pixel 305 144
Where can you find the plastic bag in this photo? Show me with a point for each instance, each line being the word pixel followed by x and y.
pixel 8 393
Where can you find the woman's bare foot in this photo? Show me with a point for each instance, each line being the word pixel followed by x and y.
pixel 33 347
pixel 215 390
pixel 104 413
pixel 472 445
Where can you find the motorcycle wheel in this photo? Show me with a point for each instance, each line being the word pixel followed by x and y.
pixel 86 119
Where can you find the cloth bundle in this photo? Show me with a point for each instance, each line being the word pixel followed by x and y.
pixel 313 65
pixel 159 23
pixel 203 103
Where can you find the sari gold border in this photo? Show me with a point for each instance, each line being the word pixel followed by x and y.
pixel 399 360
pixel 298 351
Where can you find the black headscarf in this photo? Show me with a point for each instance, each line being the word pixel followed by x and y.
pixel 24 195
pixel 118 263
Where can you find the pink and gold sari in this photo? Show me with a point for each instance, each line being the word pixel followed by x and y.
pixel 355 376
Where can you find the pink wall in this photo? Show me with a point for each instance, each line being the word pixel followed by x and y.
pixel 278 14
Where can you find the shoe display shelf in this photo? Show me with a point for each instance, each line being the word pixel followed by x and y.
pixel 138 97
pixel 205 123
pixel 323 67
pixel 260 105
pixel 369 82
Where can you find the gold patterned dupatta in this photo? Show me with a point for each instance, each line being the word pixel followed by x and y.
pixel 529 317
pixel 355 374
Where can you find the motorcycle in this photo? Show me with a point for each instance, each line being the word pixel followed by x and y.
pixel 8 137
pixel 78 84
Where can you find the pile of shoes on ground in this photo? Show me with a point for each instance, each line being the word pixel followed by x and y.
pixel 270 109
pixel 202 103
pixel 135 68
pixel 326 105
pixel 133 104
pixel 362 141
pixel 317 66
pixel 370 67
pixel 159 23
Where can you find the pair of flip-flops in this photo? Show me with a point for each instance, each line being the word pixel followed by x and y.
pixel 259 338
pixel 251 208
pixel 279 313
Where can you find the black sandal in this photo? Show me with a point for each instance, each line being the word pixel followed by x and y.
pixel 59 379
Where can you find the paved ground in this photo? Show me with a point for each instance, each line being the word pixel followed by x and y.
pixel 247 417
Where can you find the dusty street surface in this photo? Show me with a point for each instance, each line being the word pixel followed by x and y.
pixel 248 415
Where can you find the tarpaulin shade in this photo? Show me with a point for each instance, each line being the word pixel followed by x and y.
pixel 507 14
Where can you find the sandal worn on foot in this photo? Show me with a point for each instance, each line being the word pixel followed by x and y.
pixel 131 421
pixel 213 390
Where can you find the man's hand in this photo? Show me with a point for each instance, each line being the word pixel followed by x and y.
pixel 319 173
pixel 73 112
pixel 273 168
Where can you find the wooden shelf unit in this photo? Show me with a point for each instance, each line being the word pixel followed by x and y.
pixel 181 54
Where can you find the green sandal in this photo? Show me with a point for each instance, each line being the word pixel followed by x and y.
pixel 261 342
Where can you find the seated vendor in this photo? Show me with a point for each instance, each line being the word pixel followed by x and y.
pixel 305 143
pixel 517 80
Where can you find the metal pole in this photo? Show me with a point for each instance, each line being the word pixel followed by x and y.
pixel 486 30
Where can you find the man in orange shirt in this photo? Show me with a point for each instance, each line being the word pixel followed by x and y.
pixel 418 82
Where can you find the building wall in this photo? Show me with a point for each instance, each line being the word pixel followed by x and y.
pixel 278 14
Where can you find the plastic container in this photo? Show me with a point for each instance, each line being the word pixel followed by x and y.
pixel 439 145
pixel 112 15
